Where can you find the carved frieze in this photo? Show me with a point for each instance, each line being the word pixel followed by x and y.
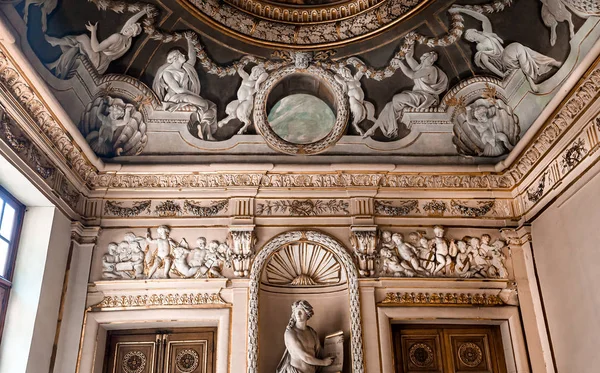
pixel 164 208
pixel 305 207
pixel 162 257
pixel 160 300
pixel 440 256
pixel 441 299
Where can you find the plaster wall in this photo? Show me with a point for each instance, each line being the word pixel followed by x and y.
pixel 565 245
pixel 34 302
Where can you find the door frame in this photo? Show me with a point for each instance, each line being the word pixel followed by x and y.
pixel 507 318
pixel 98 323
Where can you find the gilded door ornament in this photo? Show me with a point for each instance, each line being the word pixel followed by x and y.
pixel 134 362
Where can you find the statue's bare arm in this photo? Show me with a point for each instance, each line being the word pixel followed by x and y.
pixel 296 351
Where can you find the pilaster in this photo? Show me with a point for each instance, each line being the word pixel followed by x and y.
pixel 530 299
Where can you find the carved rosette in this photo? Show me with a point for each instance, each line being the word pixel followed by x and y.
pixel 241 250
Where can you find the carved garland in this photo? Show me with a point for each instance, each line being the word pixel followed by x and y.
pixel 343 256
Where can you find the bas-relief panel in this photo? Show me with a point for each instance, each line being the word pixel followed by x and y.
pixel 192 85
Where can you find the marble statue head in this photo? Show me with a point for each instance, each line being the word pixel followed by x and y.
pixel 472 35
pixel 201 242
pixel 397 238
pixel 438 231
pixel 301 311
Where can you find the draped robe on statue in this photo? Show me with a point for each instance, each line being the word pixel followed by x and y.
pixel 423 96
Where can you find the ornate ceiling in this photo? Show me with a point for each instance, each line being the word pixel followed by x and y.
pixel 398 81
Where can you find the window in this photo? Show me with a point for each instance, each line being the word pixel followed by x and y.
pixel 11 218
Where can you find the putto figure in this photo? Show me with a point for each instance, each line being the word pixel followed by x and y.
pixel 302 345
pixel 429 83
pixel 100 54
pixel 492 56
pixel 241 108
pixel 177 85
pixel 359 108
pixel 162 257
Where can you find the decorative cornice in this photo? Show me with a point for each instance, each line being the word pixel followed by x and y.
pixel 30 99
pixel 160 300
pixel 440 299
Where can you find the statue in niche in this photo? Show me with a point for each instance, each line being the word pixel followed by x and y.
pixel 241 108
pixel 487 127
pixel 100 54
pixel 302 345
pixel 177 85
pixel 46 7
pixel 492 56
pixel 429 82
pixel 554 11
pixel 359 108
pixel 161 258
pixel 113 127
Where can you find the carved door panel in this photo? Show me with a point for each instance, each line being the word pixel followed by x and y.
pixel 167 351
pixel 135 353
pixel 448 349
pixel 189 352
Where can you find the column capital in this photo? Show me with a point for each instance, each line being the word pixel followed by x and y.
pixel 517 236
pixel 83 235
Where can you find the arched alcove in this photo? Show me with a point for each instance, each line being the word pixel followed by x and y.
pixel 332 257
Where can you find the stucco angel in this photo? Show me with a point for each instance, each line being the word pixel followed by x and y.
pixel 241 108
pixel 99 53
pixel 359 108
pixel 486 128
pixel 113 127
pixel 493 56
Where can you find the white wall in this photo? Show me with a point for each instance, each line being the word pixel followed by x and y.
pixel 566 246
pixel 32 312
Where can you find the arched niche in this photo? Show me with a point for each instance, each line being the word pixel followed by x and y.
pixel 348 281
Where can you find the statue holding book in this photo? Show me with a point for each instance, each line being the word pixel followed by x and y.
pixel 303 352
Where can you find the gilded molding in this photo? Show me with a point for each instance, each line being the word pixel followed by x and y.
pixel 440 299
pixel 160 300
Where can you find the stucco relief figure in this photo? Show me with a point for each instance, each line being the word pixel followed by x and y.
pixel 160 260
pixel 99 53
pixel 553 12
pixel 109 262
pixel 177 85
pixel 302 345
pixel 241 108
pixel 493 56
pixel 443 257
pixel 429 82
pixel 408 254
pixel 487 128
pixel 46 7
pixel 113 127
pixel 359 108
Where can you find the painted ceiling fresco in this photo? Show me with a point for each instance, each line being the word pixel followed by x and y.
pixel 397 81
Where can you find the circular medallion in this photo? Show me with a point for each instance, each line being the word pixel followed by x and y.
pixel 134 362
pixel 301 118
pixel 470 355
pixel 187 360
pixel 421 355
pixel 303 122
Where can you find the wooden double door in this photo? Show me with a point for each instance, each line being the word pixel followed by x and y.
pixel 189 350
pixel 448 349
